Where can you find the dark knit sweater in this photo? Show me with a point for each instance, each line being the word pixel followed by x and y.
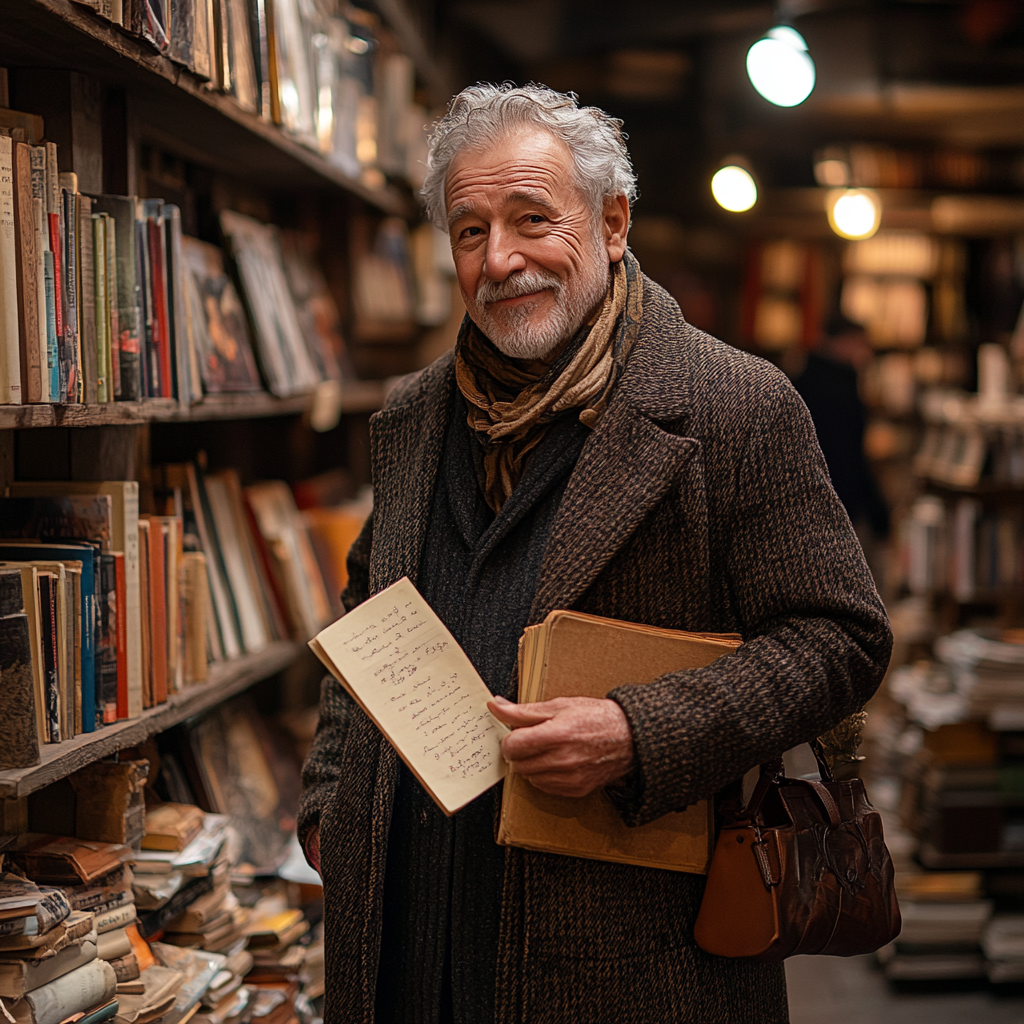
pixel 443 881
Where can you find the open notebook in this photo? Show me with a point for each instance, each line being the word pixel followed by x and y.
pixel 405 670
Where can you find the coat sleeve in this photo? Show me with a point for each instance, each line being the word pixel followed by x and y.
pixel 816 637
pixel 321 773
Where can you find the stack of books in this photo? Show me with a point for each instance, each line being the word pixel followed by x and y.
pixel 1003 945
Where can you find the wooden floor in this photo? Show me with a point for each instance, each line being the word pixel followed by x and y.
pixel 841 990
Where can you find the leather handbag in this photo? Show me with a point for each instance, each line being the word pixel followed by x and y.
pixel 804 869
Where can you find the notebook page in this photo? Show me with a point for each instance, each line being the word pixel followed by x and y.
pixel 400 663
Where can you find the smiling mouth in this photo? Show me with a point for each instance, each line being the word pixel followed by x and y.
pixel 517 300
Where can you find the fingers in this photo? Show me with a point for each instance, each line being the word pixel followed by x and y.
pixel 518 715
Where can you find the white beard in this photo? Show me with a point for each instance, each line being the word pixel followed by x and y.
pixel 515 333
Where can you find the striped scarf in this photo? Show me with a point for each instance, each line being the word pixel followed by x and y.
pixel 510 409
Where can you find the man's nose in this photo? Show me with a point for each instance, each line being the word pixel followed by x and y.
pixel 503 256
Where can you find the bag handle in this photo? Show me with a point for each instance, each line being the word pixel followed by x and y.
pixel 773 771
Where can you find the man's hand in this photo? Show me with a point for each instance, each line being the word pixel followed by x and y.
pixel 569 746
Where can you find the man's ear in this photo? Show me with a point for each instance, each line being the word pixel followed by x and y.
pixel 616 226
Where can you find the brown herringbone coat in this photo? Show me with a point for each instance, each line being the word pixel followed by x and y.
pixel 701 502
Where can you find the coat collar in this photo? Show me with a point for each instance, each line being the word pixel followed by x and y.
pixel 606 498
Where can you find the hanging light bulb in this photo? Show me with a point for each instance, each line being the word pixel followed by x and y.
pixel 854 212
pixel 780 68
pixel 734 188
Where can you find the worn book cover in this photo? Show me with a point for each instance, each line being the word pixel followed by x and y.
pixel 61 860
pixel 572 654
pixel 87 986
pixel 19 740
pixel 172 826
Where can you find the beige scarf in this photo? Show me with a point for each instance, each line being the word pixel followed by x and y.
pixel 510 409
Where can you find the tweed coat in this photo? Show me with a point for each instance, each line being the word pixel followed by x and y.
pixel 700 501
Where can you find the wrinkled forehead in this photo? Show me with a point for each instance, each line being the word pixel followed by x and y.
pixel 528 164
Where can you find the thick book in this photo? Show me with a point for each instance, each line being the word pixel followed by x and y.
pixel 172 826
pixel 572 654
pixel 74 928
pixel 124 496
pixel 63 860
pixel 19 737
pixel 402 666
pixel 20 975
pixel 27 909
pixel 87 986
pixel 113 944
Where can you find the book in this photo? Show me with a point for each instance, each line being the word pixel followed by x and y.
pixel 27 270
pixel 188 386
pixel 62 860
pixel 402 666
pixel 82 988
pixel 124 496
pixel 121 210
pixel 160 988
pixel 113 944
pixel 126 967
pixel 172 826
pixel 27 909
pixel 86 287
pixel 217 321
pixel 19 975
pixel 196 602
pixel 149 924
pixel 86 556
pixel 158 610
pixel 19 737
pixel 10 345
pixel 572 654
pixel 75 927
pixel 109 801
pixel 285 359
pixel 118 918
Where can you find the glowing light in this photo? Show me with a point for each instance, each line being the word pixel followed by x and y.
pixel 854 212
pixel 780 68
pixel 734 189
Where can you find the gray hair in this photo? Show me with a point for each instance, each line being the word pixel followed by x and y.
pixel 484 113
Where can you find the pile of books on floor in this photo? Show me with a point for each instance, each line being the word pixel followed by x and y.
pixel 104 299
pixel 987 670
pixel 944 918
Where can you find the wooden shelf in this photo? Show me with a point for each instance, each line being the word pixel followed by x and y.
pixel 171 105
pixel 357 397
pixel 226 680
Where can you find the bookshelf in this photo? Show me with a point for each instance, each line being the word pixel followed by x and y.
pixel 226 680
pixel 171 107
pixel 130 121
pixel 356 397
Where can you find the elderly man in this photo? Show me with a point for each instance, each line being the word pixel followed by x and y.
pixel 583 447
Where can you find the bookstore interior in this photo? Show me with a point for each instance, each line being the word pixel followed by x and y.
pixel 214 264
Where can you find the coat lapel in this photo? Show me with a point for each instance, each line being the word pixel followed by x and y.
pixel 625 469
pixel 629 463
pixel 405 448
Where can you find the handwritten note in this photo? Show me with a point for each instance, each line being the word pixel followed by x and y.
pixel 406 671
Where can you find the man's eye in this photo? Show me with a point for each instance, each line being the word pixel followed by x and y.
pixel 536 218
pixel 472 232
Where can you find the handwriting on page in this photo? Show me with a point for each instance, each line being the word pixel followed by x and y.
pixel 421 689
pixel 405 659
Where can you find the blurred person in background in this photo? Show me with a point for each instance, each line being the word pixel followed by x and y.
pixel 828 385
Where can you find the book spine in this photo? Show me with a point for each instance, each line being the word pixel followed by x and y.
pixel 113 331
pixel 106 650
pixel 88 620
pixel 10 355
pixel 45 305
pixel 122 703
pixel 144 284
pixel 158 236
pixel 87 295
pixel 150 924
pixel 130 492
pixel 102 321
pixel 48 604
pixel 52 359
pixel 28 285
pixel 69 225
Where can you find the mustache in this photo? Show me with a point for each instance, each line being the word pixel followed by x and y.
pixel 523 282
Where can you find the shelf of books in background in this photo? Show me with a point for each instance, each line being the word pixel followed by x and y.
pixel 947 729
pixel 329 74
pixel 110 612
pixel 167 885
